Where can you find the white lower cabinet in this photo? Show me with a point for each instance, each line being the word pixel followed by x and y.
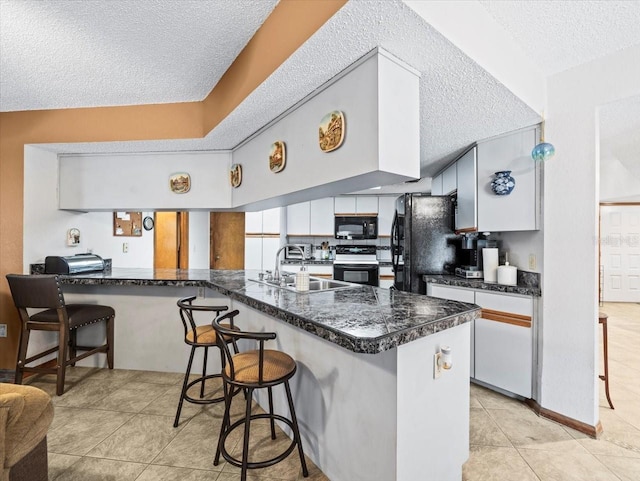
pixel 501 339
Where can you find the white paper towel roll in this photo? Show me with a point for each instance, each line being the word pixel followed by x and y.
pixel 490 263
pixel 508 275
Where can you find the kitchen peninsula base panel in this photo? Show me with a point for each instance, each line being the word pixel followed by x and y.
pixel 376 416
pixel 148 333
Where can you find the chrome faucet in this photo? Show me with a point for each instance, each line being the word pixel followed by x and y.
pixel 276 272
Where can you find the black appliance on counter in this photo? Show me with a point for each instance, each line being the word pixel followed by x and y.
pixel 358 264
pixel 356 227
pixel 423 240
pixel 73 264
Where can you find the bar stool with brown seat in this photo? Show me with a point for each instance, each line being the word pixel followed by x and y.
pixel 250 370
pixel 198 336
pixel 602 319
pixel 44 292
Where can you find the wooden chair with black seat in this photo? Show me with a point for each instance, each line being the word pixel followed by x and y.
pixel 44 292
pixel 199 336
pixel 250 370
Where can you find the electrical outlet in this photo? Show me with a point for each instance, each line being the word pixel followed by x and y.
pixel 200 291
pixel 532 262
pixel 125 247
pixel 437 365
pixel 3 330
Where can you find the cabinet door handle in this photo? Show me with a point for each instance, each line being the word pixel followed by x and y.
pixel 506 317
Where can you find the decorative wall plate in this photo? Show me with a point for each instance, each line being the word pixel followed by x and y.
pixel 331 131
pixel 277 156
pixel 180 183
pixel 73 237
pixel 235 175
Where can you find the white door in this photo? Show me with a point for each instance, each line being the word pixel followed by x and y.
pixel 620 252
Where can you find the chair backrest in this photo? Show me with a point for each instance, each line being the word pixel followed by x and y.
pixel 186 314
pixel 36 291
pixel 226 331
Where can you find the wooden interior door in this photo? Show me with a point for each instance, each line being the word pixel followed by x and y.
pixel 227 240
pixel 171 240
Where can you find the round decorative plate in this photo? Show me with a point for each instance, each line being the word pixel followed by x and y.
pixel 331 131
pixel 180 183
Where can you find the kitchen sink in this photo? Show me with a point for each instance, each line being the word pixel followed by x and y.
pixel 315 284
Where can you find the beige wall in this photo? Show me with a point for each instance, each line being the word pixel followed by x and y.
pixel 270 46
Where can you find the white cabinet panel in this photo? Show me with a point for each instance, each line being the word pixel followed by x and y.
pixel 517 211
pixel 504 356
pixel 466 213
pixel 298 219
pixel 345 204
pixel 270 246
pixel 386 211
pixel 321 217
pixel 367 204
pixel 271 221
pixel 449 179
pixel 253 253
pixel 386 283
pixel 253 222
pixel 504 351
pixel 436 185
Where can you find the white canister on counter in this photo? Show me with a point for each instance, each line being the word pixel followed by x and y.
pixel 508 275
pixel 490 263
pixel 302 280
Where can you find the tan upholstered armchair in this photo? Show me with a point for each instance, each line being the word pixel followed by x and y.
pixel 25 416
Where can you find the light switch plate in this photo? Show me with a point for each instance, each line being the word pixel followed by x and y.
pixel 3 330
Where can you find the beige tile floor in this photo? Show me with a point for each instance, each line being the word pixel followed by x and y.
pixel 118 425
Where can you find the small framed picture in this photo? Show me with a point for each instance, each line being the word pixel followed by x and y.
pixel 331 131
pixel 277 156
pixel 73 237
pixel 180 183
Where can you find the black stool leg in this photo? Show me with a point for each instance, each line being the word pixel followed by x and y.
pixel 184 386
pixel 271 420
pixel 204 371
pixel 245 444
pixel 228 390
pixel 296 431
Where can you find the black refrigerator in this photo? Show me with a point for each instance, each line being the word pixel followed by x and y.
pixel 423 240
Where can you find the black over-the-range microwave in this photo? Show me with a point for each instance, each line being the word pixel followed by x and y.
pixel 356 227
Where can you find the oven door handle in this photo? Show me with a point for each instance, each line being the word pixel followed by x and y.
pixel 359 267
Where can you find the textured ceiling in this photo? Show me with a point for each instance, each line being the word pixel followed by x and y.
pixel 560 34
pixel 61 54
pixel 459 102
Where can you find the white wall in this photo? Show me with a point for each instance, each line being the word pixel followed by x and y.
pixel 141 181
pixel 45 227
pixel 617 183
pixel 569 383
pixel 198 240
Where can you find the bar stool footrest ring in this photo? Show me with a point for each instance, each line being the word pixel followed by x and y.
pixel 202 401
pixel 257 464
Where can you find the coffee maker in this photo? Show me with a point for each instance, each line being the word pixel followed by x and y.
pixel 469 254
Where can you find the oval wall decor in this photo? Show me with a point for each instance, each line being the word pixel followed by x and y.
pixel 180 183
pixel 277 156
pixel 235 175
pixel 331 131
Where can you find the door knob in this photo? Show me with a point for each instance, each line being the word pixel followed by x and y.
pixel 217 258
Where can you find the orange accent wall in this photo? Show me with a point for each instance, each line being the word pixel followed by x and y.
pixel 291 23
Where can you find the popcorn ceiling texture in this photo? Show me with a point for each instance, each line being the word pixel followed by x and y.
pixel 63 54
pixel 460 103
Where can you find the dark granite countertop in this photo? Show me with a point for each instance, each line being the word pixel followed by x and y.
pixel 526 286
pixel 364 319
pixel 321 262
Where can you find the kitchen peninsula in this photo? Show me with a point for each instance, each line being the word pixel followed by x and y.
pixel 367 401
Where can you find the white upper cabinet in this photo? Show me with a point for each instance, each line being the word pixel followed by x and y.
pixel 345 204
pixel 253 222
pixel 271 221
pixel 436 185
pixel 367 204
pixel 449 180
pixel 466 213
pixel 518 211
pixel 321 217
pixel 298 219
pixel 386 211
